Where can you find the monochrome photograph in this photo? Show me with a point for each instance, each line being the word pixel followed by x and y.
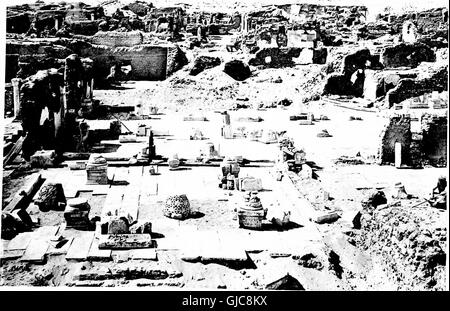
pixel 224 145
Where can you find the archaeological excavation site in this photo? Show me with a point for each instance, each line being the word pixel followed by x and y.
pixel 225 145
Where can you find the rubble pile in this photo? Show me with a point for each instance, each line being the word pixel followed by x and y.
pixel 431 78
pixel 204 62
pixel 411 244
pixel 426 21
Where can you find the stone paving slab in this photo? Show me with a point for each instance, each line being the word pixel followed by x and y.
pixel 96 254
pixel 143 254
pixel 79 249
pixel 53 251
pixel 20 241
pixel 36 251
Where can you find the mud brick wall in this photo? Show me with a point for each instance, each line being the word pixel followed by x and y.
pixel 434 79
pixel 176 59
pixel 378 82
pixel 36 48
pixel 398 130
pixel 117 39
pixel 27 58
pixel 148 62
pixel 348 63
pixel 431 20
pixel 31 64
pixel 435 139
pixel 426 21
pixel 279 57
pixel 416 150
pixel 87 28
pixel 407 55
pixel 410 243
pixel 18 23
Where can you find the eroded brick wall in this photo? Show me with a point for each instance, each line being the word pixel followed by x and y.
pixel 434 139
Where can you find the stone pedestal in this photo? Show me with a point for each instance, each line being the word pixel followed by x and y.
pixel 76 214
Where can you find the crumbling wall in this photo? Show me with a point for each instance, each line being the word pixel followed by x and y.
pixel 30 64
pixel 361 59
pixel 378 82
pixel 27 58
pixel 40 91
pixel 407 55
pixel 275 57
pixel 430 78
pixel 434 141
pixel 148 62
pixel 410 243
pixel 350 81
pixel 176 59
pixel 18 23
pixel 398 130
pixel 82 27
pixel 117 38
pixel 285 57
pixel 426 21
pixel 37 48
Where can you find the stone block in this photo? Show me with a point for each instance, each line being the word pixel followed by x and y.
pixel 250 184
pixel 141 226
pixel 125 241
pixel 43 158
pixel 118 225
pixel 327 217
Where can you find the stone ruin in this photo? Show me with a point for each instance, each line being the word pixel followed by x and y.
pixel 427 146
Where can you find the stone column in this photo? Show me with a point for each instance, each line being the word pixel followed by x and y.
pixel 16 96
pixel 57 23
